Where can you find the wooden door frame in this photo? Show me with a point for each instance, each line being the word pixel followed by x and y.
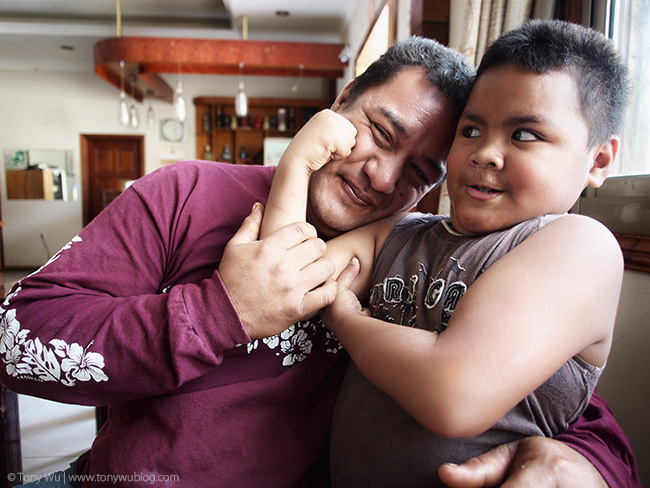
pixel 85 173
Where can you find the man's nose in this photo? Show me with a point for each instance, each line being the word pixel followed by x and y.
pixel 383 173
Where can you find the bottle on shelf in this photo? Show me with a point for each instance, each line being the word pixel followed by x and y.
pixel 218 116
pixel 207 122
pixel 225 155
pixel 282 119
pixel 207 153
pixel 243 154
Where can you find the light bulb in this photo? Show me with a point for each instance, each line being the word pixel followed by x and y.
pixel 179 106
pixel 151 117
pixel 241 102
pixel 134 116
pixel 123 116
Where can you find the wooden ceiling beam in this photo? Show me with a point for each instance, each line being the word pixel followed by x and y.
pixel 146 57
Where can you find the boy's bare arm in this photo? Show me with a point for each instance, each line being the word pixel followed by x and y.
pixel 554 296
pixel 325 136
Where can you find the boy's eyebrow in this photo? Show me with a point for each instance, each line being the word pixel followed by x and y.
pixel 517 120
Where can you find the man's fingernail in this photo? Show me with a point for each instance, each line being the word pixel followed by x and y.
pixel 354 261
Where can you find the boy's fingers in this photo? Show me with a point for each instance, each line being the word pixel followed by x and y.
pixel 347 276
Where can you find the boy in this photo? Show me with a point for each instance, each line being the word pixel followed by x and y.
pixel 523 350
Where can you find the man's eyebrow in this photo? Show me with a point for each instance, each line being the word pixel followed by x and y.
pixel 393 120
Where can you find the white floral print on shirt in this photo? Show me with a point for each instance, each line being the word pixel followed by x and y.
pixel 28 358
pixel 296 343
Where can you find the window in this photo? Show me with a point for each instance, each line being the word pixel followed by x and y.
pixel 623 202
pixel 379 39
pixel 630 29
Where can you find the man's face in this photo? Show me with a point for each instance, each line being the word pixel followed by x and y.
pixel 404 128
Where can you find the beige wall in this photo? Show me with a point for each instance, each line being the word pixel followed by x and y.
pixel 48 110
pixel 626 381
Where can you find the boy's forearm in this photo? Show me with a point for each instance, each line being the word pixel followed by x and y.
pixel 287 201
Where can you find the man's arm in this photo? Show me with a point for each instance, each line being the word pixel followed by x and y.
pixel 137 297
pixel 593 451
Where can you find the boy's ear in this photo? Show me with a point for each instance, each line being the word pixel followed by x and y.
pixel 343 96
pixel 603 159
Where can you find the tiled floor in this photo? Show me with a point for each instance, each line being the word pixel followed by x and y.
pixel 52 434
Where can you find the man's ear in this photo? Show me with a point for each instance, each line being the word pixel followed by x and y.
pixel 343 97
pixel 603 159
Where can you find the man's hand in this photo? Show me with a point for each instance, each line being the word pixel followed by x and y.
pixel 532 462
pixel 279 280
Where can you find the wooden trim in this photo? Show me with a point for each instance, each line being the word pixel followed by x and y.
pixel 392 27
pixel 636 251
pixel 145 57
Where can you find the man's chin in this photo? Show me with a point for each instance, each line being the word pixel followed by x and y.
pixel 333 223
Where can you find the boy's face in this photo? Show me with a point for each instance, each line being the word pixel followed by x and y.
pixel 520 151
pixel 404 128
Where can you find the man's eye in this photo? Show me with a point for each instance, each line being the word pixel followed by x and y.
pixel 420 174
pixel 383 135
pixel 523 135
pixel 470 132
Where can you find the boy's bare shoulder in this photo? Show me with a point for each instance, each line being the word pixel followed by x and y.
pixel 581 233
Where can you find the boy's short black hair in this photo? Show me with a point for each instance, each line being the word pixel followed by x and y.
pixel 444 67
pixel 553 45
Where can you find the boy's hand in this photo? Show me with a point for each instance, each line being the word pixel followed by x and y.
pixel 327 135
pixel 346 302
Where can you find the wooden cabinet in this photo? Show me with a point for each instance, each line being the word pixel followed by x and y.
pixel 41 184
pixel 215 129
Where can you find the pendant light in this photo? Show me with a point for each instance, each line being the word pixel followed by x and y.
pixel 241 100
pixel 123 114
pixel 151 116
pixel 179 101
pixel 133 112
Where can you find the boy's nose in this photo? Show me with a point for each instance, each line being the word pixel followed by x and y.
pixel 487 156
pixel 383 174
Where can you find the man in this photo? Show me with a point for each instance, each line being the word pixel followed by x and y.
pixel 181 323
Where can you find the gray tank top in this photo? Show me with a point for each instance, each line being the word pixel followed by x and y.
pixel 422 271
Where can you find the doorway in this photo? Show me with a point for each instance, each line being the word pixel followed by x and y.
pixel 108 165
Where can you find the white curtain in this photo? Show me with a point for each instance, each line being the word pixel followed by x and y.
pixel 475 24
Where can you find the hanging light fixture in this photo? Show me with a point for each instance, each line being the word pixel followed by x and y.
pixel 123 114
pixel 151 116
pixel 133 112
pixel 294 88
pixel 179 101
pixel 241 100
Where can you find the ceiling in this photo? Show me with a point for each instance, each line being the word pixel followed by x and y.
pixel 59 35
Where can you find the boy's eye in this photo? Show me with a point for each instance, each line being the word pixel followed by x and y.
pixel 470 132
pixel 523 135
